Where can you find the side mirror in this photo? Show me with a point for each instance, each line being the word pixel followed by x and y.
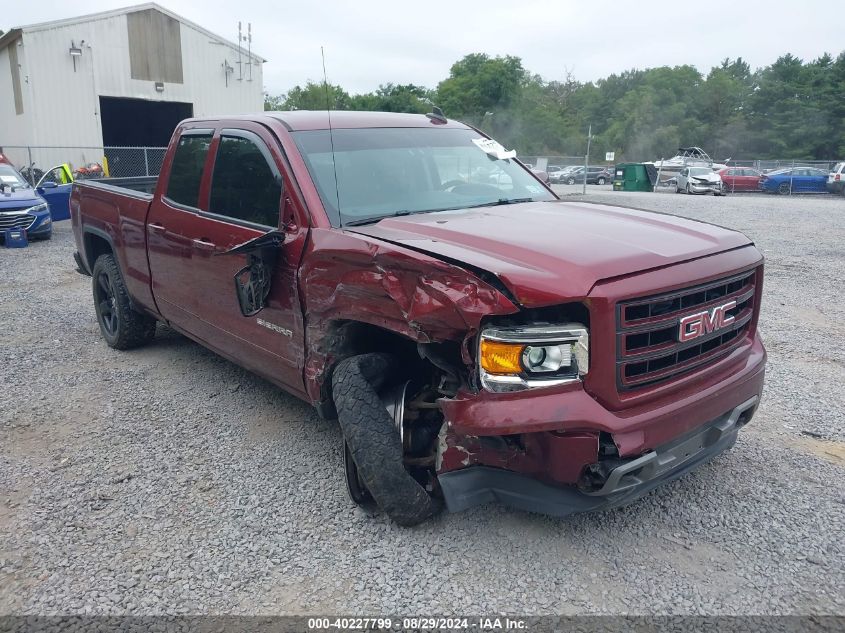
pixel 253 281
pixel 252 286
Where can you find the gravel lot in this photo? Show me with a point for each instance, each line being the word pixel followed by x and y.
pixel 167 480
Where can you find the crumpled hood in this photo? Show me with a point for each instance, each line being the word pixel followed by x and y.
pixel 549 252
pixel 709 178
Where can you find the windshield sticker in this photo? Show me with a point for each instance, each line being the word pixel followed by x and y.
pixel 9 179
pixel 494 149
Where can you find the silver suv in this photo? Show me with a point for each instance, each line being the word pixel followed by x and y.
pixel 836 179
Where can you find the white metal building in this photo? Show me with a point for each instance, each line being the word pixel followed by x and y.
pixel 117 78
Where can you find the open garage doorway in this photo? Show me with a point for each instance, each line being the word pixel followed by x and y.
pixel 138 123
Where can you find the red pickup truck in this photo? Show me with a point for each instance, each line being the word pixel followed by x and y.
pixel 477 338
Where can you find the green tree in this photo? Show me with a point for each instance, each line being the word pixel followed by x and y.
pixel 313 96
pixel 395 98
pixel 478 84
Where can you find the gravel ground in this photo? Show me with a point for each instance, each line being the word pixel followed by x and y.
pixel 167 480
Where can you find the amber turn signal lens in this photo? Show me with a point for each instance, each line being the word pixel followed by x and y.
pixel 500 358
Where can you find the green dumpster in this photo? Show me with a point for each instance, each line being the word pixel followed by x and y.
pixel 634 177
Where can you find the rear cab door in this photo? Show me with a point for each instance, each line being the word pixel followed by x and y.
pixel 242 195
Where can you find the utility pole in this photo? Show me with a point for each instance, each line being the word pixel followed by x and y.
pixel 587 156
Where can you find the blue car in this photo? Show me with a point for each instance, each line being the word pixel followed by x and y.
pixel 21 207
pixel 795 180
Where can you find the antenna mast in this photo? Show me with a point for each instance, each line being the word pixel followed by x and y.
pixel 331 133
pixel 249 48
pixel 240 61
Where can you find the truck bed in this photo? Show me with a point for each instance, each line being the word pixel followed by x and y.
pixel 113 211
pixel 133 186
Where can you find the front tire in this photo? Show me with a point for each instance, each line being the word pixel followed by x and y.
pixel 122 327
pixel 373 440
pixel 784 188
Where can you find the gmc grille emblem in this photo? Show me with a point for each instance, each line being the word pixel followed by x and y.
pixel 695 325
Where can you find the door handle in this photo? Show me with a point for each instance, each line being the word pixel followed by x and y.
pixel 203 244
pixel 155 228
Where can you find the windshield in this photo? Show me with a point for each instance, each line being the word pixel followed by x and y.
pixel 11 178
pixel 700 171
pixel 381 172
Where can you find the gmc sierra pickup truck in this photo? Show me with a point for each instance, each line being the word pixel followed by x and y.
pixel 478 339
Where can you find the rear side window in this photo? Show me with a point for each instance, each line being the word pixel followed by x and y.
pixel 186 170
pixel 245 184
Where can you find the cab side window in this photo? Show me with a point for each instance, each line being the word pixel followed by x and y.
pixel 245 184
pixel 186 170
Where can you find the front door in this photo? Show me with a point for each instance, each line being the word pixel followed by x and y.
pixel 55 186
pixel 246 200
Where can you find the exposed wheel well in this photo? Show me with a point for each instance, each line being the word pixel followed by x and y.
pixel 95 245
pixel 351 338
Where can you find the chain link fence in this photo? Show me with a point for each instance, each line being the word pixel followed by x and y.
pixel 550 162
pixel 33 161
pixel 732 183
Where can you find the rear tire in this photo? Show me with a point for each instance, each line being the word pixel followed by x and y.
pixel 601 181
pixel 784 188
pixel 373 440
pixel 121 326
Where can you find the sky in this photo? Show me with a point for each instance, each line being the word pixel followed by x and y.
pixel 373 42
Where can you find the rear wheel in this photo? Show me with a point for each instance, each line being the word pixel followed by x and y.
pixel 784 188
pixel 571 181
pixel 601 180
pixel 121 326
pixel 375 465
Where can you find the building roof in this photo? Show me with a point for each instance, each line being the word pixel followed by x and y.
pixel 16 32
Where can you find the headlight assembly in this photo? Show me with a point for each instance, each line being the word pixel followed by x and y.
pixel 526 357
pixel 38 207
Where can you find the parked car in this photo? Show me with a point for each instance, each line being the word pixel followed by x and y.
pixel 54 187
pixel 795 180
pixel 559 175
pixel 541 175
pixel 740 179
pixel 21 207
pixel 476 342
pixel 595 176
pixel 836 179
pixel 699 180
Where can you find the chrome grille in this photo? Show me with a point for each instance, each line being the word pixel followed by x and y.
pixel 648 348
pixel 10 220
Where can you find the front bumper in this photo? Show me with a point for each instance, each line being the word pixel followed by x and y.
pixel 463 489
pixel 712 188
pixel 42 226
